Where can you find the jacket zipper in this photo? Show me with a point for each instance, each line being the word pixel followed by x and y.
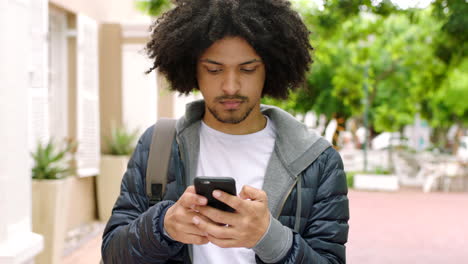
pixel 184 160
pixel 183 155
pixel 286 198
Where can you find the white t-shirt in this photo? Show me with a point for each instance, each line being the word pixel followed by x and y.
pixel 242 157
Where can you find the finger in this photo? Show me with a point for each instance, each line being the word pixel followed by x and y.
pixel 189 199
pixel 204 218
pixel 217 216
pixel 193 230
pixel 249 192
pixel 231 200
pixel 190 189
pixel 185 215
pixel 184 224
pixel 195 240
pixel 213 229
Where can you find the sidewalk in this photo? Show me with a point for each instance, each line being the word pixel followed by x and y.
pixel 89 253
pixel 386 228
pixel 408 227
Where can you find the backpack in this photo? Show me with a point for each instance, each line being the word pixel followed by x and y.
pixel 159 158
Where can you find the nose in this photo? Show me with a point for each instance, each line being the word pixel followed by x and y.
pixel 231 83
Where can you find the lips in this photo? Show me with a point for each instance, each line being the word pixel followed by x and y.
pixel 231 104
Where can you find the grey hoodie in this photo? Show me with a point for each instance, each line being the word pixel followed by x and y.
pixel 295 149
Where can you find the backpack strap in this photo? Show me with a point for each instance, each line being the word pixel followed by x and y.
pixel 158 159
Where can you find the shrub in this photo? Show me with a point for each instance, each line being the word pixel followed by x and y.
pixel 121 142
pixel 51 162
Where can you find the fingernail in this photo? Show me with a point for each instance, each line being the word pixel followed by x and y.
pixel 196 220
pixel 202 200
pixel 216 194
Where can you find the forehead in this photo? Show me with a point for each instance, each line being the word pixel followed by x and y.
pixel 230 50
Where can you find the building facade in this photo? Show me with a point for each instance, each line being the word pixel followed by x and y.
pixel 70 69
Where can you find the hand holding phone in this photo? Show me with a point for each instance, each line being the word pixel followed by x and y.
pixel 178 219
pixel 206 185
pixel 243 228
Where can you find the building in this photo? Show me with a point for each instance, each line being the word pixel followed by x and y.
pixel 68 69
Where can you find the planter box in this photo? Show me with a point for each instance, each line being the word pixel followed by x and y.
pixel 50 201
pixel 376 182
pixel 108 183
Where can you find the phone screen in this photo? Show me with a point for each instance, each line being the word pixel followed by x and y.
pixel 206 185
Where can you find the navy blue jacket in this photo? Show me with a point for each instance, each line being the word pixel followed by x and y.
pixel 134 232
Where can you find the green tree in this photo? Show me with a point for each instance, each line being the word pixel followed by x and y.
pixel 444 107
pixel 389 50
pixel 153 7
pixel 448 103
pixel 412 61
pixel 453 38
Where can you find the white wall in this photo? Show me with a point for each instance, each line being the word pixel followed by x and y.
pixel 17 243
pixel 139 89
pixel 108 11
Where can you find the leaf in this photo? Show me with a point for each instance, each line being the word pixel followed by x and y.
pixel 50 161
pixel 122 141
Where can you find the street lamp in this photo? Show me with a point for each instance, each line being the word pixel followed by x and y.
pixel 365 44
pixel 366 115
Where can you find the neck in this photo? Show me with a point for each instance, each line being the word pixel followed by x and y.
pixel 254 122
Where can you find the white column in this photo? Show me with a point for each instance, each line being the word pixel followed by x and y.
pixel 139 90
pixel 87 97
pixel 139 95
pixel 17 243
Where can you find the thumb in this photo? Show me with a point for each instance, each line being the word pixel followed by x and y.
pixel 249 192
pixel 190 189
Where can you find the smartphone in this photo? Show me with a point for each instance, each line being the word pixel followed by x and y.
pixel 206 185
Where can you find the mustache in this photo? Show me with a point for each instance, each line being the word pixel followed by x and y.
pixel 231 97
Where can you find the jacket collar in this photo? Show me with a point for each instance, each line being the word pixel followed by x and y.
pixel 295 149
pixel 293 143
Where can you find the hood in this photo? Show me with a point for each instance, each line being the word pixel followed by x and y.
pixel 294 142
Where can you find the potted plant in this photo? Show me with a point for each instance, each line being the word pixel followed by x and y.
pixel 50 196
pixel 114 162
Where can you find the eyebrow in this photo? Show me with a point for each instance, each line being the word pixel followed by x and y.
pixel 219 63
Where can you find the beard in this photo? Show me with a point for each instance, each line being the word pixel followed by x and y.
pixel 232 117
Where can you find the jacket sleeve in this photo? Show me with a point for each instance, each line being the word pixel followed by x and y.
pixel 133 233
pixel 324 233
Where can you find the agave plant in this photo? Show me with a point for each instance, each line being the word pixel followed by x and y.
pixel 51 161
pixel 121 142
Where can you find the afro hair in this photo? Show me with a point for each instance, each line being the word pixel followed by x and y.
pixel 275 31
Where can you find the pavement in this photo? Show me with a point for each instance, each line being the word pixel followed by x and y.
pixel 385 228
pixel 408 227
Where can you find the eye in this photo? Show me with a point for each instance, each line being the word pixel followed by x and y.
pixel 214 70
pixel 248 70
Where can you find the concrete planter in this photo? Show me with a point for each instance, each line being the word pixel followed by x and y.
pixel 376 182
pixel 50 201
pixel 108 183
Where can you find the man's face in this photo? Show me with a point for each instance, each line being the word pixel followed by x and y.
pixel 231 77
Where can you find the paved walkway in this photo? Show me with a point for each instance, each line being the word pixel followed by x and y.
pixel 386 228
pixel 408 227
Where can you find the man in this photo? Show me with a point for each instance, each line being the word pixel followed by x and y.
pixel 292 206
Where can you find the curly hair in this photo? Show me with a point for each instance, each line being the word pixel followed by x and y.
pixel 275 31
